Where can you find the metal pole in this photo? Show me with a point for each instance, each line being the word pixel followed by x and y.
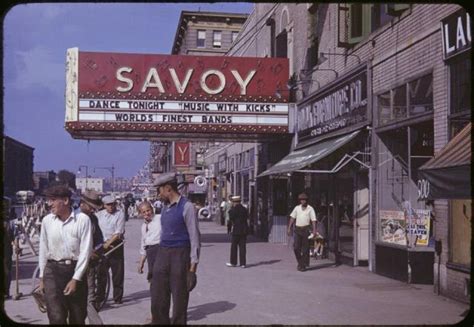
pixel 87 175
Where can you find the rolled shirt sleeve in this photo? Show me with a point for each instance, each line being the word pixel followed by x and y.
pixel 85 247
pixel 192 226
pixel 312 214
pixel 142 241
pixel 120 227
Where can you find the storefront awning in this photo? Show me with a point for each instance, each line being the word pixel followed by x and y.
pixel 449 171
pixel 301 158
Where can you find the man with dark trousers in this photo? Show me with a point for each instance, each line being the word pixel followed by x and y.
pixel 303 216
pixel 64 251
pixel 238 216
pixel 177 255
pixel 112 225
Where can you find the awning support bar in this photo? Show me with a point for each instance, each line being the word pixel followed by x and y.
pixel 338 166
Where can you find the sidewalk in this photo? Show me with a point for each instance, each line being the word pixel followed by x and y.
pixel 269 291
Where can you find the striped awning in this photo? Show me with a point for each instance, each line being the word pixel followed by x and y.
pixel 449 171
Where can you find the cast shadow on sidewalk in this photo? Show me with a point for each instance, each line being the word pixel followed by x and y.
pixel 199 312
pixel 226 238
pixel 269 262
pixel 128 299
pixel 323 265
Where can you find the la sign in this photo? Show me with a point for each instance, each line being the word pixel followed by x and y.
pixel 169 97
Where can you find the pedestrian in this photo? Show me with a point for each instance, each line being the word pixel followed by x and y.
pixel 157 205
pixel 238 216
pixel 177 256
pixel 8 245
pixel 304 216
pixel 112 225
pixel 227 206
pixel 64 251
pixel 90 203
pixel 151 236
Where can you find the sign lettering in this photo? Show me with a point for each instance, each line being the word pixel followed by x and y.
pixel 456 32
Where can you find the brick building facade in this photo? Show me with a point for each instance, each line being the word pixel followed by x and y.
pixel 17 166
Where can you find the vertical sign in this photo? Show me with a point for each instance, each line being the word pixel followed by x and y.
pixel 181 154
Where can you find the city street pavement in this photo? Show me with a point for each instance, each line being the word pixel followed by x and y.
pixel 269 291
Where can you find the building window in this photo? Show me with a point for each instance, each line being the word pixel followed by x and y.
pixel 234 36
pixel 282 45
pixel 407 100
pixel 460 80
pixel 217 39
pixel 363 19
pixel 201 39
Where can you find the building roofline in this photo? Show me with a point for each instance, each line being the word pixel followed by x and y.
pixel 201 13
pixel 18 142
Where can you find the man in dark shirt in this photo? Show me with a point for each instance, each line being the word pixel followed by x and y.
pixel 238 216
pixel 90 203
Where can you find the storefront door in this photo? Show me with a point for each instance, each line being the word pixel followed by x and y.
pixel 361 221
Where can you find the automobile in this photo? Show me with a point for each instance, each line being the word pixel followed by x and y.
pixel 204 213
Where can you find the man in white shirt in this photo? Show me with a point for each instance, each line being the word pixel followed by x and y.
pixel 65 248
pixel 303 216
pixel 112 225
pixel 151 236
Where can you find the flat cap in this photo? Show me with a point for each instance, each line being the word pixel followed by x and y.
pixel 162 179
pixel 236 198
pixel 108 199
pixel 57 191
pixel 303 196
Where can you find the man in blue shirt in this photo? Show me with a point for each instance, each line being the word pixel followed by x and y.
pixel 177 256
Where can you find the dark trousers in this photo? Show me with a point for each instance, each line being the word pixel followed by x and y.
pixel 169 279
pixel 301 246
pixel 150 258
pixel 93 272
pixel 7 268
pixel 241 242
pixel 115 261
pixel 62 308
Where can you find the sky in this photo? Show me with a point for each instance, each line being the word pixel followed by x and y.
pixel 35 40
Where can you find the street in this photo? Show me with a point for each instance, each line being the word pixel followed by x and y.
pixel 269 291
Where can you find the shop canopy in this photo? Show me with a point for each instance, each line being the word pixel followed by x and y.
pixel 449 171
pixel 301 158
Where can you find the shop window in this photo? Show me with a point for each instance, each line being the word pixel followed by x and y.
pixel 460 80
pixel 234 36
pixel 217 39
pixel 420 92
pixel 461 220
pixel 397 105
pixel 399 102
pixel 201 39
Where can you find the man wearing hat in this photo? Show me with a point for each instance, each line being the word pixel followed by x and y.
pixel 177 255
pixel 91 203
pixel 304 216
pixel 64 251
pixel 238 216
pixel 112 225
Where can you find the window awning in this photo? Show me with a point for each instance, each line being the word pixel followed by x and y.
pixel 449 171
pixel 301 158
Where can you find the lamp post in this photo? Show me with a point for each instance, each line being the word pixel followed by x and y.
pixel 87 172
pixel 110 170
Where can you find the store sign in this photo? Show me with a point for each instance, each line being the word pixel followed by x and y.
pixel 456 31
pixel 140 96
pixel 181 154
pixel 423 189
pixel 418 226
pixel 340 106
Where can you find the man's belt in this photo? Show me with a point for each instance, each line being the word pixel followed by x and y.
pixel 303 227
pixel 150 246
pixel 66 262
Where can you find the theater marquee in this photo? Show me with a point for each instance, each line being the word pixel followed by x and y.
pixel 144 96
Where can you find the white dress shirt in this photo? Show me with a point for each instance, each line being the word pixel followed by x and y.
pixel 111 224
pixel 303 216
pixel 151 233
pixel 71 239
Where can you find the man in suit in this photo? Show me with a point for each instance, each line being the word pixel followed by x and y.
pixel 238 216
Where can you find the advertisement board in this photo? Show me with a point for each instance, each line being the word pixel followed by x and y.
pixel 171 97
pixel 393 227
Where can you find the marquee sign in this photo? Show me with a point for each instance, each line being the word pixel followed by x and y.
pixel 146 96
pixel 456 33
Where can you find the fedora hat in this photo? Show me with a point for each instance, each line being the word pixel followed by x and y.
pixel 57 191
pixel 302 196
pixel 236 198
pixel 92 198
pixel 165 178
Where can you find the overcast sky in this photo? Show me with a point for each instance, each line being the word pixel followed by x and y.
pixel 36 37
